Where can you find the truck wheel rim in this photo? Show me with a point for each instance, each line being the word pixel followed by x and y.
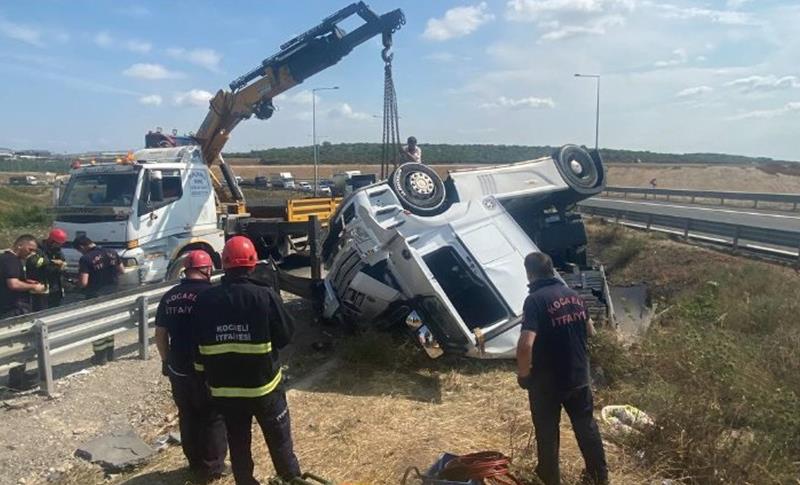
pixel 421 184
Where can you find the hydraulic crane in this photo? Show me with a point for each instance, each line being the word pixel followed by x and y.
pixel 298 59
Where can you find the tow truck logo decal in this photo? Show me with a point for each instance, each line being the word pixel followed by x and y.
pixel 198 184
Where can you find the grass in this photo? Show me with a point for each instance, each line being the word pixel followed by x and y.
pixel 23 211
pixel 719 372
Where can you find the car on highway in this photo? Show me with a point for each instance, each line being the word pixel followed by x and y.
pixel 305 186
pixel 445 257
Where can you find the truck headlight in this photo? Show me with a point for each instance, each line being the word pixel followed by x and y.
pixel 130 262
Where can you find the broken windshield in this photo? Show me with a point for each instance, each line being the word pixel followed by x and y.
pixel 105 189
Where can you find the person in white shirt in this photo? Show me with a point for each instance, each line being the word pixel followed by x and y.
pixel 411 152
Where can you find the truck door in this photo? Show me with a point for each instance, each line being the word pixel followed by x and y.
pixel 161 189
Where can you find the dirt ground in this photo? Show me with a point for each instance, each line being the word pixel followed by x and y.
pixel 730 177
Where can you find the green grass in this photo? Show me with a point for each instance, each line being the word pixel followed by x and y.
pixel 720 373
pixel 23 211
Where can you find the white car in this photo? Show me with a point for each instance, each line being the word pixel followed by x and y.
pixel 446 257
pixel 304 186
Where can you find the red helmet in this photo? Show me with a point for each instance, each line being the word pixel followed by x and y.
pixel 239 252
pixel 58 236
pixel 197 259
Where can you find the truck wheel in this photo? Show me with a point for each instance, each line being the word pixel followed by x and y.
pixel 419 188
pixel 175 269
pixel 577 168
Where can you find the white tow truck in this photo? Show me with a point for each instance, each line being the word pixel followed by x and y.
pixel 160 202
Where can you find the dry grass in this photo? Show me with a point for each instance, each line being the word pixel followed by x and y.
pixel 731 177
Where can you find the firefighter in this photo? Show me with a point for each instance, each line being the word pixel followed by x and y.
pixel 239 327
pixel 202 427
pixel 553 366
pixel 98 274
pixel 46 266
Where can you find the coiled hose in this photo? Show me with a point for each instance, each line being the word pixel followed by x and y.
pixel 487 467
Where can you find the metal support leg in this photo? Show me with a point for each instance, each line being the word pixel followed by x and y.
pixel 144 340
pixel 313 239
pixel 46 384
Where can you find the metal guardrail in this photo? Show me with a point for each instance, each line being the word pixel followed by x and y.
pixel 722 196
pixel 735 235
pixel 39 336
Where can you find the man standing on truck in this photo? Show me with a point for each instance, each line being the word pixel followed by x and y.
pixel 15 292
pixel 239 327
pixel 411 153
pixel 98 273
pixel 46 266
pixel 553 366
pixel 202 427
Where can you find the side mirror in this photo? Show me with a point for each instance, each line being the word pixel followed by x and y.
pixel 156 187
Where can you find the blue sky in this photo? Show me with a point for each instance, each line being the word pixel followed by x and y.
pixel 678 76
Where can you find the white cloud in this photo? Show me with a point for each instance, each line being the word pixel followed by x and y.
pixel 458 22
pixel 301 98
pixel 446 57
pixel 345 111
pixel 520 103
pixel 206 58
pixel 736 3
pixel 138 46
pixel 694 92
pixel 679 57
pixel 726 17
pixel 792 107
pixel 764 83
pixel 193 97
pixel 151 100
pixel 20 32
pixel 534 10
pixel 594 27
pixel 103 39
pixel 151 72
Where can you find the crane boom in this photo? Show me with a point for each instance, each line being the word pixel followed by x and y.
pixel 298 59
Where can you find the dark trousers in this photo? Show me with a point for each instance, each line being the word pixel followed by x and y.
pixel 546 402
pixel 272 414
pixel 202 426
pixel 40 302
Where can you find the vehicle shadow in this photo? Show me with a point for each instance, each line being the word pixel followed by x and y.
pixel 178 476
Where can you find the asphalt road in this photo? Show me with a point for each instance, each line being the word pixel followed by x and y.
pixel 730 215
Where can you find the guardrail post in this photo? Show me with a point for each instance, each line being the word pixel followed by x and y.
pixel 144 341
pixel 721 201
pixel 313 239
pixel 686 228
pixel 693 197
pixel 649 221
pixel 736 238
pixel 794 206
pixel 46 384
pixel 755 204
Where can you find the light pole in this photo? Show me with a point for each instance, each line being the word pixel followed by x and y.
pixel 597 115
pixel 314 133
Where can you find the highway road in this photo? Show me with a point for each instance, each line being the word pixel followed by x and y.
pixel 726 214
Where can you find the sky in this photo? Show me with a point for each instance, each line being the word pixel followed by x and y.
pixel 676 76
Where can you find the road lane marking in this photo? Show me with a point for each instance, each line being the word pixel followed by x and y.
pixel 712 209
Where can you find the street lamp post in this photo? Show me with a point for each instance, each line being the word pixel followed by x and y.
pixel 597 114
pixel 314 134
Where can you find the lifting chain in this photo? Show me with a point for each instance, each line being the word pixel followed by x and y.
pixel 391 125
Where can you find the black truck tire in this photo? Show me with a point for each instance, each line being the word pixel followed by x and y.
pixel 578 169
pixel 419 188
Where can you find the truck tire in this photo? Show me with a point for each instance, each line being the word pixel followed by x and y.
pixel 419 188
pixel 578 169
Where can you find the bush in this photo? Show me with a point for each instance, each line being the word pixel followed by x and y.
pixel 25 217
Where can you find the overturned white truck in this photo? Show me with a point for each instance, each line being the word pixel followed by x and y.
pixel 446 257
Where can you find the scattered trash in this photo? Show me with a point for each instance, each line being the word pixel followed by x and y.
pixel 470 469
pixel 626 419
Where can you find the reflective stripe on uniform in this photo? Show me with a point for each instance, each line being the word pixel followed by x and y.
pixel 199 367
pixel 247 391
pixel 239 348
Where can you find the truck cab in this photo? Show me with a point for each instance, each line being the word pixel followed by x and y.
pixel 152 209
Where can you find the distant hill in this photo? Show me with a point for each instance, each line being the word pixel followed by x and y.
pixel 370 153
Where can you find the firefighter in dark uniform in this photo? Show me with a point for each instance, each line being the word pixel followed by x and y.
pixel 202 427
pixel 46 266
pixel 16 288
pixel 553 366
pixel 239 327
pixel 98 274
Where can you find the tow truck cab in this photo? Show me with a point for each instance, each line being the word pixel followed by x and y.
pixel 151 209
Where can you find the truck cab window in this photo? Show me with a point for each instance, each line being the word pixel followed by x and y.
pixel 160 188
pixel 113 190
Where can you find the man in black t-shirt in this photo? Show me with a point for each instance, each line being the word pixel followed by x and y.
pixel 98 272
pixel 15 290
pixel 553 366
pixel 202 427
